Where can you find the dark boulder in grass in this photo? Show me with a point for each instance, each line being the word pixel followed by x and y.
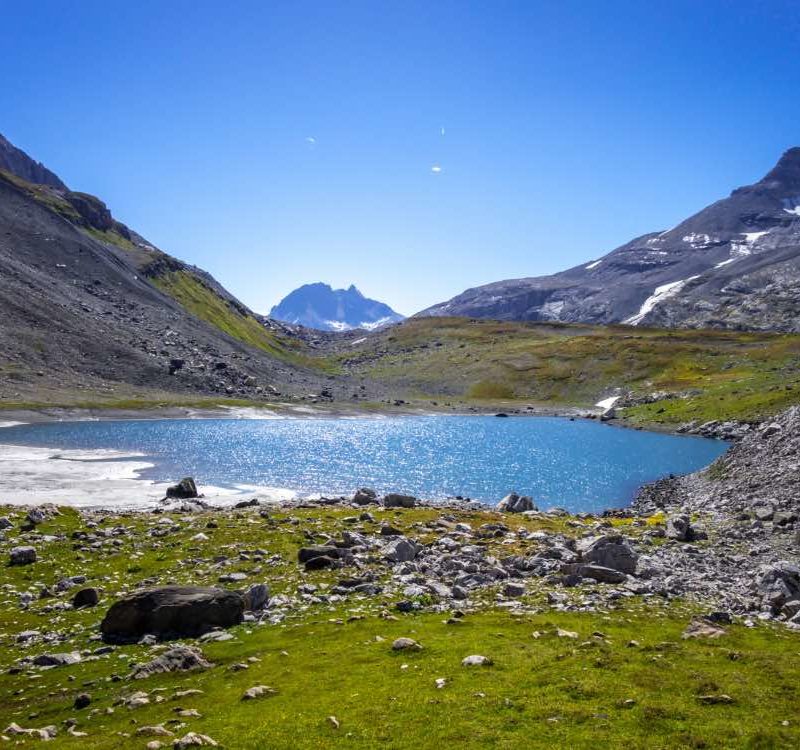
pixel 86 598
pixel 184 490
pixel 395 500
pixel 172 612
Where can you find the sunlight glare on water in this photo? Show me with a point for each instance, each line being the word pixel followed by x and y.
pixel 578 465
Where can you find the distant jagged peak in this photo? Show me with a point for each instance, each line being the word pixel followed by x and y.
pixel 320 306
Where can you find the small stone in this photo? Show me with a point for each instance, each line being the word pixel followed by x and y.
pixel 22 556
pixel 476 660
pixel 406 644
pixel 566 633
pixel 440 682
pixel 154 730
pixel 258 691
pixel 193 739
pixel 713 700
pixel 82 701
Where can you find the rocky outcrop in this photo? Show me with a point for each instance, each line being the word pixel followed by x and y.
pixel 172 612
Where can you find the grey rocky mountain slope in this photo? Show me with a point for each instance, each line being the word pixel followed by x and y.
pixel 89 307
pixel 323 308
pixel 735 264
pixel 16 161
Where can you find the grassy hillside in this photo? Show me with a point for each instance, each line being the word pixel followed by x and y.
pixel 619 678
pixel 203 302
pixel 716 374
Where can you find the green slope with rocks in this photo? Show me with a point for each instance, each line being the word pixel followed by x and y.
pixel 566 667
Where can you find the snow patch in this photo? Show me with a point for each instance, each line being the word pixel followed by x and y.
pixel 358 341
pixel 725 263
pixel 377 323
pixel 665 291
pixel 607 403
pixel 792 206
pixel 698 241
pixel 742 248
pixel 593 265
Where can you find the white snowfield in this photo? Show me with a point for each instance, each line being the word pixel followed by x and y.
pixel 607 403
pixel 593 265
pixel 665 291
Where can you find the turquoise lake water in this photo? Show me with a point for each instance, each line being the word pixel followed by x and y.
pixel 578 465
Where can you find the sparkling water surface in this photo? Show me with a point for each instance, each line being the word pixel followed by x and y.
pixel 578 465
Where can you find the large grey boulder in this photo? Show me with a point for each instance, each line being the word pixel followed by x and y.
pixel 681 529
pixel 172 612
pixel 610 551
pixel 22 556
pixel 401 550
pixel 395 500
pixel 514 503
pixel 778 584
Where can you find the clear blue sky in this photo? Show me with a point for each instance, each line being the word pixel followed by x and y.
pixel 569 128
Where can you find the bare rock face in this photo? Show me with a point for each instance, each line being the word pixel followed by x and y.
pixel 172 612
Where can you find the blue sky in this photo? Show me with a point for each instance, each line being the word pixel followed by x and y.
pixel 569 128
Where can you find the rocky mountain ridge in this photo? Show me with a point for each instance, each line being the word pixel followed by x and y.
pixel 735 264
pixel 323 308
pixel 89 306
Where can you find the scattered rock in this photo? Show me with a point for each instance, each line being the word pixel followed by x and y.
pixel 395 500
pixel 193 739
pixel 82 701
pixel 401 550
pixel 406 644
pixel 610 551
pixel 476 660
pixel 703 628
pixel 258 691
pixel 365 496
pixel 177 659
pixel 22 556
pixel 514 503
pixel 57 660
pixel 256 597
